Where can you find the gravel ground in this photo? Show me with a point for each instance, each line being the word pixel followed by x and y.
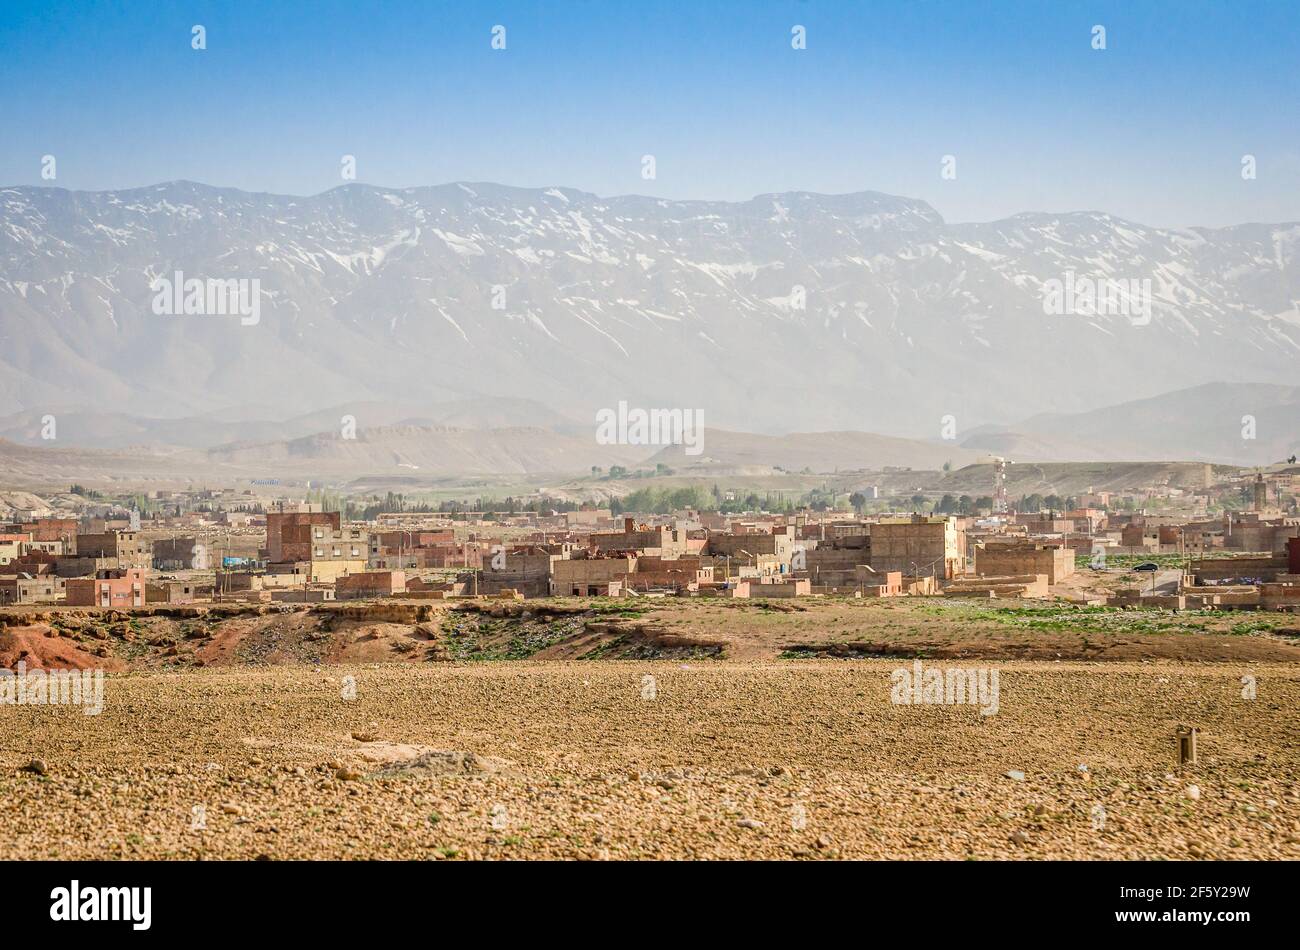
pixel 785 759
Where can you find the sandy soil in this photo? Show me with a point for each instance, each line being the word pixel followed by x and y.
pixel 803 759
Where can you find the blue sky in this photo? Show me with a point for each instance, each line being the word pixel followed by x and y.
pixel 1153 128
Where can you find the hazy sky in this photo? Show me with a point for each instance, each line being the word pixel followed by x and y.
pixel 1153 128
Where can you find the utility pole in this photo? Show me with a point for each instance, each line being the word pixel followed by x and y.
pixel 999 485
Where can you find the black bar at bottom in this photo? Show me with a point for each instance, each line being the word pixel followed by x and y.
pixel 305 899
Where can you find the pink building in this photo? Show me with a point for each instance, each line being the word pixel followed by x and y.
pixel 109 588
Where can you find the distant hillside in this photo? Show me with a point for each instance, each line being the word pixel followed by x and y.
pixel 30 465
pixel 81 427
pixel 426 450
pixel 727 452
pixel 1071 478
pixel 1203 423
pixel 414 454
pixel 422 451
pixel 403 450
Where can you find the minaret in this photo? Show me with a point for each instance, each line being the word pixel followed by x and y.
pixel 1261 493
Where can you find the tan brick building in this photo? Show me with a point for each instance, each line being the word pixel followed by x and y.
pixel 921 546
pixel 124 549
pixel 1001 558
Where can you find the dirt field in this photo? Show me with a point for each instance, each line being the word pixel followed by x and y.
pixel 804 759
pixel 530 730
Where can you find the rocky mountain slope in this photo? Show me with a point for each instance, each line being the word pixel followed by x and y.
pixel 1241 424
pixel 787 312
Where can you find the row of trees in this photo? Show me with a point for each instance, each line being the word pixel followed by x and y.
pixel 653 500
pixel 963 505
pixel 619 471
pixel 660 501
pixel 1037 502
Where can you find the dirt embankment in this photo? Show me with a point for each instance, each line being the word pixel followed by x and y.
pixel 223 635
pixel 589 629
pixel 559 631
pixel 369 632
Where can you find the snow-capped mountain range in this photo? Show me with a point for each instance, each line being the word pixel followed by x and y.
pixel 788 312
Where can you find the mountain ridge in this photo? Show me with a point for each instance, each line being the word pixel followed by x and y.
pixel 791 311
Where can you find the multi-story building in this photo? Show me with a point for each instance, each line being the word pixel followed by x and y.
pixel 12 546
pixel 921 546
pixel 290 535
pixel 528 572
pixel 178 554
pixel 26 588
pixel 124 549
pixel 108 588
pixel 340 544
pixel 52 529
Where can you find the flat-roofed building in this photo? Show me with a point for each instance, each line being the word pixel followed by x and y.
pixel 290 534
pixel 370 584
pixel 108 588
pixel 1024 557
pixel 590 576
pixel 662 540
pixel 125 549
pixel 26 588
pixel 921 546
